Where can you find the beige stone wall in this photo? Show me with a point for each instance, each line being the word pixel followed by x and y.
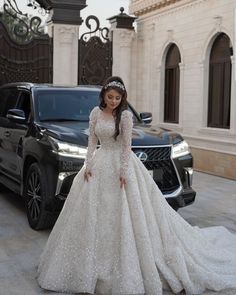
pixel 216 163
pixel 193 26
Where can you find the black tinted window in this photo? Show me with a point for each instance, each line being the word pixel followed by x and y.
pixel 69 104
pixel 8 99
pixel 65 104
pixel 24 103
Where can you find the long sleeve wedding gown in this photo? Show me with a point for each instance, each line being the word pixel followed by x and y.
pixel 115 241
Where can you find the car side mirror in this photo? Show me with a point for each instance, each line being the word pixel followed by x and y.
pixel 146 117
pixel 16 115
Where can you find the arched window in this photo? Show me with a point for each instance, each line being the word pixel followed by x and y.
pixel 172 75
pixel 220 83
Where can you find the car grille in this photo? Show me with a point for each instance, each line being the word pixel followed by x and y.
pixel 159 160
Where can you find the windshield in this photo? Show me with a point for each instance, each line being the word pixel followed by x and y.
pixel 66 104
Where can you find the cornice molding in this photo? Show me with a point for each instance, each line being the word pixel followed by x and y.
pixel 180 5
pixel 145 8
pixel 140 7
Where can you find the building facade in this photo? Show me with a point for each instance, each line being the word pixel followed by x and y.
pixel 183 71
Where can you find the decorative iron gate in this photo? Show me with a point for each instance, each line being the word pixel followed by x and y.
pixel 25 52
pixel 95 55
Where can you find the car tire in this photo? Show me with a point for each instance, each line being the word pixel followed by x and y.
pixel 35 194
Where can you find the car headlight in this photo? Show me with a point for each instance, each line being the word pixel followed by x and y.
pixel 68 149
pixel 180 149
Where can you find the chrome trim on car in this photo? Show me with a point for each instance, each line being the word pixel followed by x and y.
pixel 176 171
pixel 142 156
pixel 175 193
pixel 61 177
pixel 150 146
pixel 189 175
pixel 146 119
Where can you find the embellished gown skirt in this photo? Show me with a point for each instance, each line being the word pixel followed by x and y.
pixel 113 241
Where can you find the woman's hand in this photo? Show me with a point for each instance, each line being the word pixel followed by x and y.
pixel 87 174
pixel 122 181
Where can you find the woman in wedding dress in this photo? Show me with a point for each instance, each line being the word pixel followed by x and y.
pixel 117 235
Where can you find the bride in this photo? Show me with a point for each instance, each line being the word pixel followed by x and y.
pixel 116 234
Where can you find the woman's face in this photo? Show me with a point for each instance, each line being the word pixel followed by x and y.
pixel 112 98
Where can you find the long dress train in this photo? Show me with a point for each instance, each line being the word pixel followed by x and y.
pixel 115 241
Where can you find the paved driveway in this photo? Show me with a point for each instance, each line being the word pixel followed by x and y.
pixel 20 246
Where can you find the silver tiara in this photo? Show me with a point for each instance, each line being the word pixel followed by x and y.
pixel 115 84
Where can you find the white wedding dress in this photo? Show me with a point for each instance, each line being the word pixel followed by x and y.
pixel 113 241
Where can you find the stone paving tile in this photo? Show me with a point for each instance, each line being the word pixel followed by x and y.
pixel 20 246
pixel 215 202
pixel 3 255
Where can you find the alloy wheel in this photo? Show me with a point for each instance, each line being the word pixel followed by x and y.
pixel 34 198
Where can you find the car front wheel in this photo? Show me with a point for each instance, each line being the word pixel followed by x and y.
pixel 35 194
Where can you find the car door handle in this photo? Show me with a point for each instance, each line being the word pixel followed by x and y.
pixel 7 133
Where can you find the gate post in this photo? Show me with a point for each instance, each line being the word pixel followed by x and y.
pixel 122 34
pixel 63 27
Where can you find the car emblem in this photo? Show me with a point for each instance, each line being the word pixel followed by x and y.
pixel 142 156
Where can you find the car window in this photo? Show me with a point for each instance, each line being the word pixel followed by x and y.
pixel 24 103
pixel 59 104
pixel 64 104
pixel 8 99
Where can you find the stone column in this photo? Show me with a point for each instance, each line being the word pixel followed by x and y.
pixel 158 103
pixel 203 88
pixel 233 98
pixel 181 94
pixel 122 34
pixel 150 83
pixel 122 43
pixel 63 27
pixel 65 53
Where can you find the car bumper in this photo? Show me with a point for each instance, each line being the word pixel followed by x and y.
pixel 184 198
pixel 181 197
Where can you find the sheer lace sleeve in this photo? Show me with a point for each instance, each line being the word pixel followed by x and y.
pixel 126 133
pixel 92 140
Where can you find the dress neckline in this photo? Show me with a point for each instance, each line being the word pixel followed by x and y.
pixel 111 118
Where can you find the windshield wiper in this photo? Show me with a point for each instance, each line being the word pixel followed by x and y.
pixel 58 120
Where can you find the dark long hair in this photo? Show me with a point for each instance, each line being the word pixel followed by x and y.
pixel 123 104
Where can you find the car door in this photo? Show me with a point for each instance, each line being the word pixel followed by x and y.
pixel 2 122
pixel 9 96
pixel 19 131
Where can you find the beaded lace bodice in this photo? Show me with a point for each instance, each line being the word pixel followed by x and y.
pixel 103 130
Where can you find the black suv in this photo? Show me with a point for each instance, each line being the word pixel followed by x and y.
pixel 43 144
